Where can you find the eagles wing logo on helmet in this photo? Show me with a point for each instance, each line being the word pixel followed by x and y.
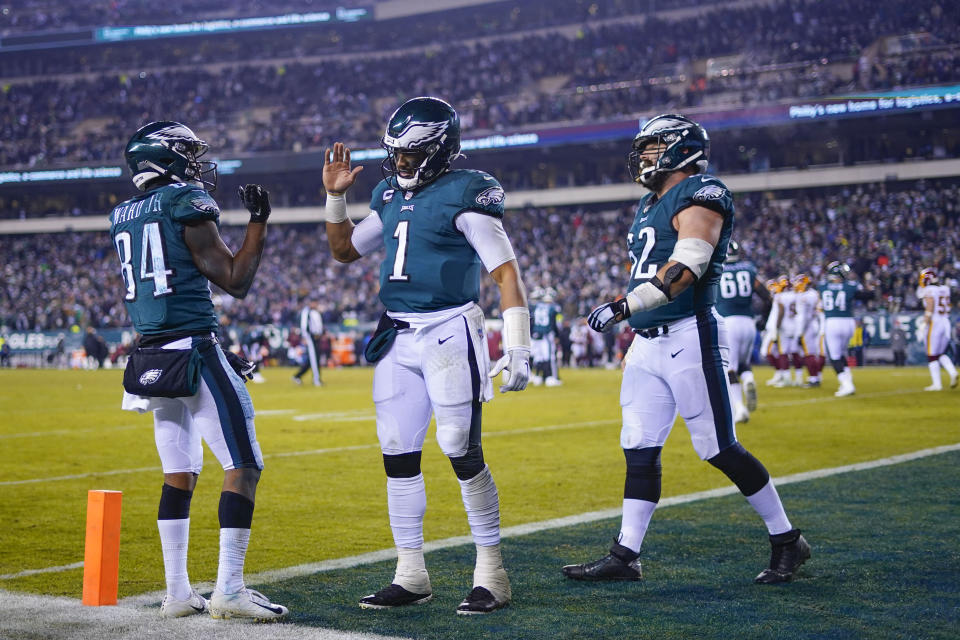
pixel 710 192
pixel 417 133
pixel 173 132
pixel 489 196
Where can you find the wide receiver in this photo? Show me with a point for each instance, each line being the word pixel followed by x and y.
pixel 678 243
pixel 170 251
pixel 441 228
pixel 836 297
pixel 935 327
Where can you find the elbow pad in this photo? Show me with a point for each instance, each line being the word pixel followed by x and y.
pixel 694 254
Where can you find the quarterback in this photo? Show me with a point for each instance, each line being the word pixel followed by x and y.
pixel 677 364
pixel 439 228
pixel 170 250
pixel 935 327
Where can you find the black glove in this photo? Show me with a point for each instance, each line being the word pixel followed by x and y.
pixel 606 315
pixel 257 201
pixel 241 365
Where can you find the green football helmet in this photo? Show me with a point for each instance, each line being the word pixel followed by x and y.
pixel 427 126
pixel 837 270
pixel 169 151
pixel 686 143
pixel 733 251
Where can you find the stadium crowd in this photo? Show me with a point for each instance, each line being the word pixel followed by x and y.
pixel 289 101
pixel 886 232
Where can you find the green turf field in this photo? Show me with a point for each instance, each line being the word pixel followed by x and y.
pixel 554 452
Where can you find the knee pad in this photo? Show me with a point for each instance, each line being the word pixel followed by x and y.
pixel 402 465
pixel 470 464
pixel 643 474
pixel 742 468
pixel 838 365
pixel 733 377
pixel 174 503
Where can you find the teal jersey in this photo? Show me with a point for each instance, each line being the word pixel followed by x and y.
pixel 165 292
pixel 429 265
pixel 836 298
pixel 652 238
pixel 736 288
pixel 544 319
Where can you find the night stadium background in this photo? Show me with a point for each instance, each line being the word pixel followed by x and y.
pixel 835 124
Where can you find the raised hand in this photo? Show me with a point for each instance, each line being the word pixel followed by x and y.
pixel 337 174
pixel 257 201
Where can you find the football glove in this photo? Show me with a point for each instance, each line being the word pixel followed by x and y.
pixel 257 201
pixel 516 369
pixel 241 365
pixel 606 315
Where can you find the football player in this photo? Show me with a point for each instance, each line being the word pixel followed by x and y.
pixel 935 327
pixel 836 297
pixel 440 229
pixel 546 316
pixel 791 358
pixel 775 342
pixel 807 301
pixel 738 284
pixel 170 251
pixel 678 243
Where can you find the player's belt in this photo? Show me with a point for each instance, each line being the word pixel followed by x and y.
pixel 652 333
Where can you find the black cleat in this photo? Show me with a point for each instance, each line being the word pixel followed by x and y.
pixel 393 596
pixel 620 564
pixel 790 550
pixel 480 600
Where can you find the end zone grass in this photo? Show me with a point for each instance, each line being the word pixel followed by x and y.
pixel 554 452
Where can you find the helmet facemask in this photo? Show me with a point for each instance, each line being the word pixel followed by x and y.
pixel 202 173
pixel 679 143
pixel 423 171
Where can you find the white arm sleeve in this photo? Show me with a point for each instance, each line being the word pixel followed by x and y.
pixel 368 235
pixel 487 237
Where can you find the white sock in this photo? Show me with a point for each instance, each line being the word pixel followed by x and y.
pixel 406 504
pixel 482 503
pixel 845 377
pixel 636 518
pixel 798 375
pixel 766 503
pixel 174 540
pixel 233 551
pixel 746 377
pixel 411 571
pixel 736 395
pixel 934 367
pixel 490 574
pixel 947 364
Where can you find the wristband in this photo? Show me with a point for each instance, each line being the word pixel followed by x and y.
pixel 336 208
pixel 516 328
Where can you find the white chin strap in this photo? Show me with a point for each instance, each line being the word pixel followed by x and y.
pixel 409 183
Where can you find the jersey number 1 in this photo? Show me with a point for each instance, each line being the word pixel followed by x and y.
pixel 403 230
pixel 153 262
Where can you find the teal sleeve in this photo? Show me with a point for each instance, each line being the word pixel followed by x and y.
pixel 708 192
pixel 382 194
pixel 194 205
pixel 483 194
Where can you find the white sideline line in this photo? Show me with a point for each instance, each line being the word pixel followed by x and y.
pixel 33 572
pixel 309 452
pixel 276 575
pixel 67 432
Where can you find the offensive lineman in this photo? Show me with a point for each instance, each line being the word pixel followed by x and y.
pixel 440 228
pixel 170 250
pixel 738 284
pixel 678 242
pixel 935 327
pixel 836 297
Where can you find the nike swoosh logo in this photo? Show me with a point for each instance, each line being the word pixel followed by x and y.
pixel 198 609
pixel 674 355
pixel 643 219
pixel 444 340
pixel 276 610
pixel 705 178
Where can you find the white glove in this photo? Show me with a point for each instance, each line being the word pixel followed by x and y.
pixel 516 369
